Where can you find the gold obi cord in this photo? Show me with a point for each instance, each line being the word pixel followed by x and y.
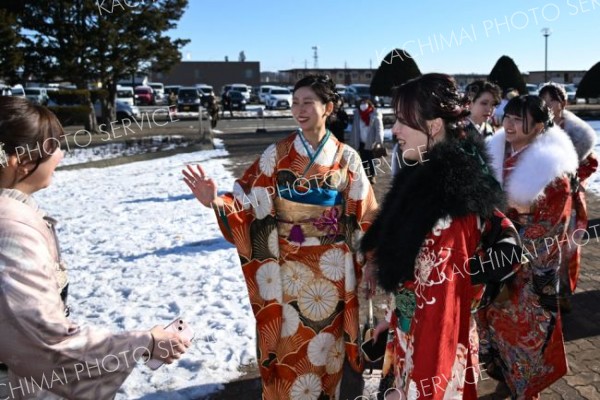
pixel 296 221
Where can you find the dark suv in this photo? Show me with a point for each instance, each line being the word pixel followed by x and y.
pixel 188 99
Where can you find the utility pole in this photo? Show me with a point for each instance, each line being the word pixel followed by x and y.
pixel 546 32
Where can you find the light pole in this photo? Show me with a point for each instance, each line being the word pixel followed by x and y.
pixel 546 32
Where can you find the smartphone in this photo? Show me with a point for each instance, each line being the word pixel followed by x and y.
pixel 177 326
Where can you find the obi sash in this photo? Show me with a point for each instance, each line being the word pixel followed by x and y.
pixel 297 221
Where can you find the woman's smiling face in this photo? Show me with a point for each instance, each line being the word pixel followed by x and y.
pixel 308 109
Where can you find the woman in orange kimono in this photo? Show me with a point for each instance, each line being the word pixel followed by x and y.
pixel 296 217
pixel 425 247
pixel 583 137
pixel 535 163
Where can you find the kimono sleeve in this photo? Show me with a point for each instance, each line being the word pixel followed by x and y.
pixel 587 167
pixel 252 198
pixel 41 347
pixel 544 230
pixel 360 203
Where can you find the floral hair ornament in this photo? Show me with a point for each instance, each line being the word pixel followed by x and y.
pixel 3 157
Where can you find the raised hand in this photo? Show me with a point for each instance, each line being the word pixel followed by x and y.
pixel 205 189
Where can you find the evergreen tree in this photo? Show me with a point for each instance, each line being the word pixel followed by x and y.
pixel 90 41
pixel 589 87
pixel 506 75
pixel 396 68
pixel 11 50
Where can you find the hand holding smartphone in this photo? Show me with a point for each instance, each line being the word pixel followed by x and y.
pixel 178 326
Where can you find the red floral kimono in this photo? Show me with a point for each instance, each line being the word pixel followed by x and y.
pixel 433 345
pixel 429 243
pixel 524 331
pixel 296 217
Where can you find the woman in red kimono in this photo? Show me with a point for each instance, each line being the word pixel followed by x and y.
pixel 583 137
pixel 296 218
pixel 535 163
pixel 425 244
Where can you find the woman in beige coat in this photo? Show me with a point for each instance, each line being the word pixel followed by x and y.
pixel 44 355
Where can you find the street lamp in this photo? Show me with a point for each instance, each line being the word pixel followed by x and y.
pixel 546 32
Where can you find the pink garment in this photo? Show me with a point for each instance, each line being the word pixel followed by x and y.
pixel 43 350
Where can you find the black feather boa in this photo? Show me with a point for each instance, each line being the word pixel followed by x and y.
pixel 454 180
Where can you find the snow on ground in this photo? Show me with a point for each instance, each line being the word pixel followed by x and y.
pixel 81 154
pixel 141 251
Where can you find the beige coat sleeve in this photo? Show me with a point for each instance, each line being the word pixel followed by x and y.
pixel 43 350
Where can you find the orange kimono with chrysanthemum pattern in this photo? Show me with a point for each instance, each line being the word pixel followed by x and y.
pixel 296 218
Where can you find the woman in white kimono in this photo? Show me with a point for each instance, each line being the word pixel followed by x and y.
pixel 44 355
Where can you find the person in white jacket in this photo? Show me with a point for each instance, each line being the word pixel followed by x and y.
pixel 43 354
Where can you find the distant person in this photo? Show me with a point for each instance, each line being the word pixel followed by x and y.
pixel 482 98
pixel 226 104
pixel 499 112
pixel 213 110
pixel 338 121
pixel 367 130
pixel 38 341
pixel 583 137
pixel 172 101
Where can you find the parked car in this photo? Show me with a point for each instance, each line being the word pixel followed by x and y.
pixel 279 97
pixel 188 99
pixel 242 88
pixel 18 91
pixel 571 90
pixel 172 88
pixel 238 100
pixel 125 94
pixel 144 95
pixel 263 92
pixel 358 92
pixel 341 89
pixel 205 92
pixel 532 89
pixel 124 110
pixel 204 88
pixel 37 95
pixel 225 89
pixel 159 92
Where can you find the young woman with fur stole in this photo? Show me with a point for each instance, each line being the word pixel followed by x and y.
pixel 535 162
pixel 426 245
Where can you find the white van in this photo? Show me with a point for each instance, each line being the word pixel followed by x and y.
pixel 125 94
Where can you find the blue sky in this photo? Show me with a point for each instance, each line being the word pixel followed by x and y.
pixel 459 36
